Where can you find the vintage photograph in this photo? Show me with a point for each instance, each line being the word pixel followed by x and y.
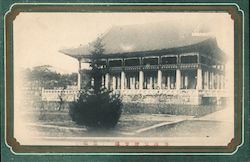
pixel 123 78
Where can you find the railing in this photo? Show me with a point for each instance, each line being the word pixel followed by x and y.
pixel 169 66
pixel 150 67
pixel 116 68
pixel 155 67
pixel 189 66
pixel 132 68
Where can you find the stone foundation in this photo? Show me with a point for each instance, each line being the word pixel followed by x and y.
pixel 181 97
pixel 168 99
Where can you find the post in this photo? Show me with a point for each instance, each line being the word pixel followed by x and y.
pixel 107 80
pixel 178 79
pixel 79 75
pixel 141 78
pixel 122 80
pixel 199 79
pixel 159 79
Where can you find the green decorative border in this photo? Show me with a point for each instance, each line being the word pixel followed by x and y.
pixel 7 106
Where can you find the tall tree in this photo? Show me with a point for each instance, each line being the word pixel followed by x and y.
pixel 96 72
pixel 96 107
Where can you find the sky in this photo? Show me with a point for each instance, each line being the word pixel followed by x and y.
pixel 38 37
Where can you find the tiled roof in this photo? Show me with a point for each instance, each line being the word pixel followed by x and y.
pixel 146 37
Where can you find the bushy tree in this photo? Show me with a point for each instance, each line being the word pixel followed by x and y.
pixel 43 76
pixel 96 106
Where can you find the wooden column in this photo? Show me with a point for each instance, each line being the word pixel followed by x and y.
pixel 107 80
pixel 178 79
pixel 122 80
pixel 113 82
pixel 168 82
pixel 118 80
pixel 185 81
pixel 141 79
pixel 206 80
pixel 159 79
pixel 212 80
pixel 150 82
pixel 103 81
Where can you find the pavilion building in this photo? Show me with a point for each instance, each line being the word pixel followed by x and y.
pixel 162 62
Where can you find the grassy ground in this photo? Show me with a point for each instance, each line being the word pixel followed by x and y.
pixel 154 108
pixel 54 123
pixel 161 108
pixel 60 124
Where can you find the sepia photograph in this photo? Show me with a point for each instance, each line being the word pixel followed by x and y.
pixel 123 78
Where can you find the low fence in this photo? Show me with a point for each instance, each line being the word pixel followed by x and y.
pixel 59 95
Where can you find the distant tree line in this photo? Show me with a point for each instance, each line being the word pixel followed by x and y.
pixel 43 76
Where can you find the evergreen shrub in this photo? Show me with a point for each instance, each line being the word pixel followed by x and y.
pixel 101 110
